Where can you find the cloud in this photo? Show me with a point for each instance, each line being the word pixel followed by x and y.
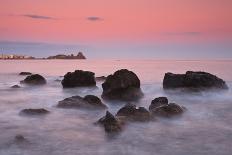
pixel 34 16
pixel 94 18
pixel 186 33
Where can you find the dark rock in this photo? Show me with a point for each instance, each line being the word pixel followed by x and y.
pixel 157 102
pixel 101 78
pixel 89 101
pixel 78 78
pixel 110 123
pixel 15 86
pixel 19 138
pixel 168 110
pixel 34 79
pixel 34 111
pixel 132 113
pixel 25 73
pixel 193 80
pixel 122 85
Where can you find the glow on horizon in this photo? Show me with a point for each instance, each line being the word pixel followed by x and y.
pixel 113 22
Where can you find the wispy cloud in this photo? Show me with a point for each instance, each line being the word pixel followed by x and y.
pixel 186 33
pixel 94 18
pixel 34 16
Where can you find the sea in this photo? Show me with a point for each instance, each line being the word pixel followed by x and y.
pixel 204 129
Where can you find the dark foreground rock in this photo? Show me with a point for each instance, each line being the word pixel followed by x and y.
pixel 89 101
pixel 34 79
pixel 160 107
pixel 122 85
pixel 110 123
pixel 34 111
pixel 193 80
pixel 132 113
pixel 15 86
pixel 78 78
pixel 25 73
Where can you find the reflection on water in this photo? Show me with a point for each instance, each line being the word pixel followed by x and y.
pixel 206 128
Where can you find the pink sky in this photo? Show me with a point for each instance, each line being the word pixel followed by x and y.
pixel 130 20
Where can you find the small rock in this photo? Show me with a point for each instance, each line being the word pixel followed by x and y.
pixel 157 102
pixel 25 73
pixel 79 78
pixel 34 111
pixel 89 101
pixel 15 86
pixel 34 79
pixel 19 138
pixel 101 78
pixel 132 113
pixel 110 123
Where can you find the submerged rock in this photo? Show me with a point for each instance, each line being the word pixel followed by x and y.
pixel 25 73
pixel 34 79
pixel 193 80
pixel 160 107
pixel 34 111
pixel 89 101
pixel 122 85
pixel 132 113
pixel 15 86
pixel 19 138
pixel 78 78
pixel 110 123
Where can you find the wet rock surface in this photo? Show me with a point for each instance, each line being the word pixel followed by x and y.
pixel 110 123
pixel 132 113
pixel 78 78
pixel 122 85
pixel 89 101
pixel 34 79
pixel 193 80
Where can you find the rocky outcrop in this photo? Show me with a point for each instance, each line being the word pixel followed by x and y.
pixel 34 111
pixel 122 85
pixel 100 78
pixel 79 78
pixel 89 102
pixel 34 79
pixel 132 113
pixel 25 73
pixel 193 80
pixel 160 107
pixel 110 123
pixel 80 55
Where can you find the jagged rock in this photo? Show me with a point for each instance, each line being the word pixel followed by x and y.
pixel 78 78
pixel 34 111
pixel 169 110
pixel 193 80
pixel 25 73
pixel 15 86
pixel 132 113
pixel 157 102
pixel 122 85
pixel 89 101
pixel 34 79
pixel 110 123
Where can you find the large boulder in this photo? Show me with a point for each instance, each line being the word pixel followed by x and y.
pixel 34 79
pixel 110 123
pixel 34 111
pixel 89 101
pixel 132 113
pixel 78 78
pixel 193 80
pixel 122 85
pixel 160 107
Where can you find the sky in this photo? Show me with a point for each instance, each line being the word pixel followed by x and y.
pixel 163 29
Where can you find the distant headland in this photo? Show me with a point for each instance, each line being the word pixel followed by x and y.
pixel 80 55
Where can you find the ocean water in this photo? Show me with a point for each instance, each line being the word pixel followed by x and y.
pixel 204 129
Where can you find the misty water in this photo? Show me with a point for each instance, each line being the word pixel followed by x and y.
pixel 205 128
